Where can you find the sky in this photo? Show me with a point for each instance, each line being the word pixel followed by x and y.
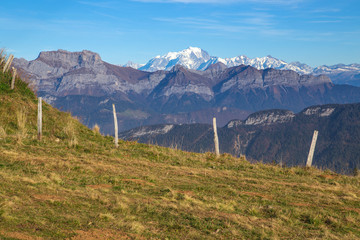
pixel 315 32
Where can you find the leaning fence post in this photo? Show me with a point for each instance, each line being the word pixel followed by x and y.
pixel 12 58
pixel 8 63
pixel 13 78
pixel 2 56
pixel 116 127
pixel 216 139
pixel 39 120
pixel 312 149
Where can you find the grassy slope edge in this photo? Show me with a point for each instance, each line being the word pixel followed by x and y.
pixel 74 184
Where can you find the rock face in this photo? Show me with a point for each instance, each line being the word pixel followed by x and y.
pixel 61 73
pixel 263 118
pixel 273 136
pixel 80 82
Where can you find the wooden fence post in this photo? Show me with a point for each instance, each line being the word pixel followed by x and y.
pixel 116 127
pixel 8 63
pixel 312 149
pixel 13 78
pixel 2 58
pixel 39 120
pixel 216 139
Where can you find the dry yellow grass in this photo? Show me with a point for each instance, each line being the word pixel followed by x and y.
pixel 2 133
pixel 21 125
pixel 96 129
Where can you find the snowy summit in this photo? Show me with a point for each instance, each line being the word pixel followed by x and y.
pixel 198 59
pixel 190 58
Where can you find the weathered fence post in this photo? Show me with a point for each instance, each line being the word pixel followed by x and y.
pixel 216 139
pixel 312 149
pixel 116 127
pixel 39 120
pixel 2 57
pixel 8 63
pixel 13 78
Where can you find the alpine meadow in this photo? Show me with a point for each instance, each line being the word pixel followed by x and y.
pixel 74 184
pixel 180 120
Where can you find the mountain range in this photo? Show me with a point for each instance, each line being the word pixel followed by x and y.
pixel 272 135
pixel 198 59
pixel 80 82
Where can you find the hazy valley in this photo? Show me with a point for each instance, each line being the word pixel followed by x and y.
pixel 269 136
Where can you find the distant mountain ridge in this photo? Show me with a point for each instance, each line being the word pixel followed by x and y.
pixel 272 135
pixel 198 59
pixel 85 85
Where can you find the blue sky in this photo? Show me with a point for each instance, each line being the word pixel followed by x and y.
pixel 316 32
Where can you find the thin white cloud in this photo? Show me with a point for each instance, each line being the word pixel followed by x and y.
pixel 108 4
pixel 326 10
pixel 243 27
pixel 208 24
pixel 276 2
pixel 326 21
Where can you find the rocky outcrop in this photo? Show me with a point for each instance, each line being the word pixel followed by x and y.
pixel 263 118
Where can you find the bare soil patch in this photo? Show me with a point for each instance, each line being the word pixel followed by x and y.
pixel 327 176
pixel 43 197
pixel 99 186
pixel 257 195
pixel 139 181
pixel 301 204
pixel 18 235
pixel 107 234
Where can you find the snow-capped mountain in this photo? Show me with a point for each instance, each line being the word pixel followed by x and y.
pixel 190 58
pixel 198 59
pixel 259 63
pixel 133 65
pixel 338 68
pixel 341 73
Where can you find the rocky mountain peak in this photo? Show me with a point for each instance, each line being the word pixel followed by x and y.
pixel 217 66
pixel 66 59
pixel 178 68
pixel 133 65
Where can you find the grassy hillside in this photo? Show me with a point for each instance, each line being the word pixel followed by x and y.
pixel 337 147
pixel 75 184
